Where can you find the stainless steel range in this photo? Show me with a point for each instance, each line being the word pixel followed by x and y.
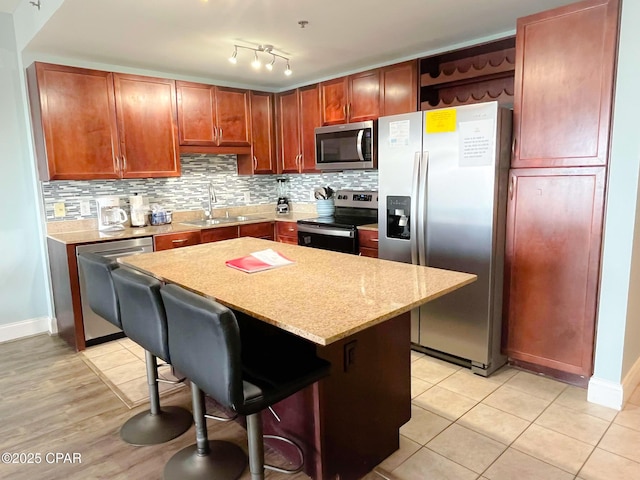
pixel 340 231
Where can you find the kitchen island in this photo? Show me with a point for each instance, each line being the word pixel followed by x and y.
pixel 354 311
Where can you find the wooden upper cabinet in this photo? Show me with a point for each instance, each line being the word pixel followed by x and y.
pixel 147 126
pixel 213 116
pixel 288 132
pixel 196 113
pixel 310 119
pixel 564 77
pixel 552 263
pixel 90 124
pixel 354 98
pixel 334 98
pixel 74 122
pixel 232 113
pixel 263 133
pixel 298 114
pixel 399 88
pixel 364 96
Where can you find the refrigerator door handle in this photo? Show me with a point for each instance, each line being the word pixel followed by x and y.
pixel 415 198
pixel 422 209
pixel 359 145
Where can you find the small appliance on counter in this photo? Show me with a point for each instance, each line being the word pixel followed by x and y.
pixel 282 207
pixel 110 216
pixel 138 210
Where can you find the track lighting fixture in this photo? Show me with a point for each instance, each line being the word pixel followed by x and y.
pixel 257 63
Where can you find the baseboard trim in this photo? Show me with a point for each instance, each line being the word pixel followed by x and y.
pixel 26 328
pixel 605 393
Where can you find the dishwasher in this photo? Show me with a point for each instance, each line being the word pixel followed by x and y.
pixel 97 329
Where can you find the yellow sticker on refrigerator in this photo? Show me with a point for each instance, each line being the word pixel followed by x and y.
pixel 440 121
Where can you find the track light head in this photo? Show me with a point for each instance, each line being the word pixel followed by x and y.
pixel 256 63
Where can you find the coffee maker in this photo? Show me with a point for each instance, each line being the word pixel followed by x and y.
pixel 110 215
pixel 282 206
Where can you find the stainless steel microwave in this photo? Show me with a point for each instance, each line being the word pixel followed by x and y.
pixel 346 147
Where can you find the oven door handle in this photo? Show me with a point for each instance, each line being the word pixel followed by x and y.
pixel 332 232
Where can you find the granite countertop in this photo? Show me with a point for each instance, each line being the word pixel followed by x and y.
pixel 86 231
pixel 323 297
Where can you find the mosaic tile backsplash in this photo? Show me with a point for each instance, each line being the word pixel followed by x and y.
pixel 189 191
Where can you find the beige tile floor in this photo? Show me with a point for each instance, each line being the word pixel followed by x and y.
pixel 121 364
pixel 513 425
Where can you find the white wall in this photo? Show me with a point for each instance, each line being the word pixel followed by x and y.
pixel 618 326
pixel 24 290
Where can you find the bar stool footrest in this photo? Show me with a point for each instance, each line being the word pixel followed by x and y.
pixel 289 471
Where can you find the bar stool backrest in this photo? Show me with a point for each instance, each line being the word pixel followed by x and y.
pixel 100 290
pixel 204 342
pixel 141 311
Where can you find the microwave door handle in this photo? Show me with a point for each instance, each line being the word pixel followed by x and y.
pixel 415 196
pixel 359 144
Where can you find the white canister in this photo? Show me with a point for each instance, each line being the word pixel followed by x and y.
pixel 138 211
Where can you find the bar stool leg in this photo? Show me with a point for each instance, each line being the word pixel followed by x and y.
pixel 256 446
pixel 156 425
pixel 206 459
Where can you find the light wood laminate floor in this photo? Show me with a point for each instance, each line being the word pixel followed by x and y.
pixel 513 425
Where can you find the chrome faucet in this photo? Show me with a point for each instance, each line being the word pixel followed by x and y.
pixel 211 199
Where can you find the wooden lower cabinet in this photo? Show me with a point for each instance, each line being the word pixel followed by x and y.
pixel 167 241
pixel 220 233
pixel 368 243
pixel 553 249
pixel 257 230
pixel 287 232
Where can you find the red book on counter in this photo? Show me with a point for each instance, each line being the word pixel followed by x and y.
pixel 259 261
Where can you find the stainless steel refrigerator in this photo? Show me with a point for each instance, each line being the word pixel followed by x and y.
pixel 442 203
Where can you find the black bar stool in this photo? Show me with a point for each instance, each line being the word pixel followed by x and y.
pixel 204 341
pixel 143 318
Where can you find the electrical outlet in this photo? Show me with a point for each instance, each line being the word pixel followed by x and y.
pixel 59 210
pixel 85 208
pixel 247 196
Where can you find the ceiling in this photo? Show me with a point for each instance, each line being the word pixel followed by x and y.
pixel 195 38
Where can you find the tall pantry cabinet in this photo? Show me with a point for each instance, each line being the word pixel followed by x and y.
pixel 564 78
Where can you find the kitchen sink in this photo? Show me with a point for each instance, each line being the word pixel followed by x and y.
pixel 217 221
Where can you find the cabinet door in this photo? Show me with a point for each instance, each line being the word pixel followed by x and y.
pixel 147 126
pixel 334 97
pixel 257 230
pixel 554 228
pixel 399 88
pixel 232 115
pixel 364 96
pixel 565 60
pixel 219 233
pixel 196 109
pixel 310 118
pixel 74 122
pixel 168 241
pixel 288 132
pixel 263 133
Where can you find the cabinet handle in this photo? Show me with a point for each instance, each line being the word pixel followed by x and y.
pixel 374 239
pixel 215 133
pixel 512 186
pixel 116 160
pixel 220 134
pixel 348 109
pixel 255 163
pixel 182 240
pixel 124 163
pixel 513 148
pixel 344 110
